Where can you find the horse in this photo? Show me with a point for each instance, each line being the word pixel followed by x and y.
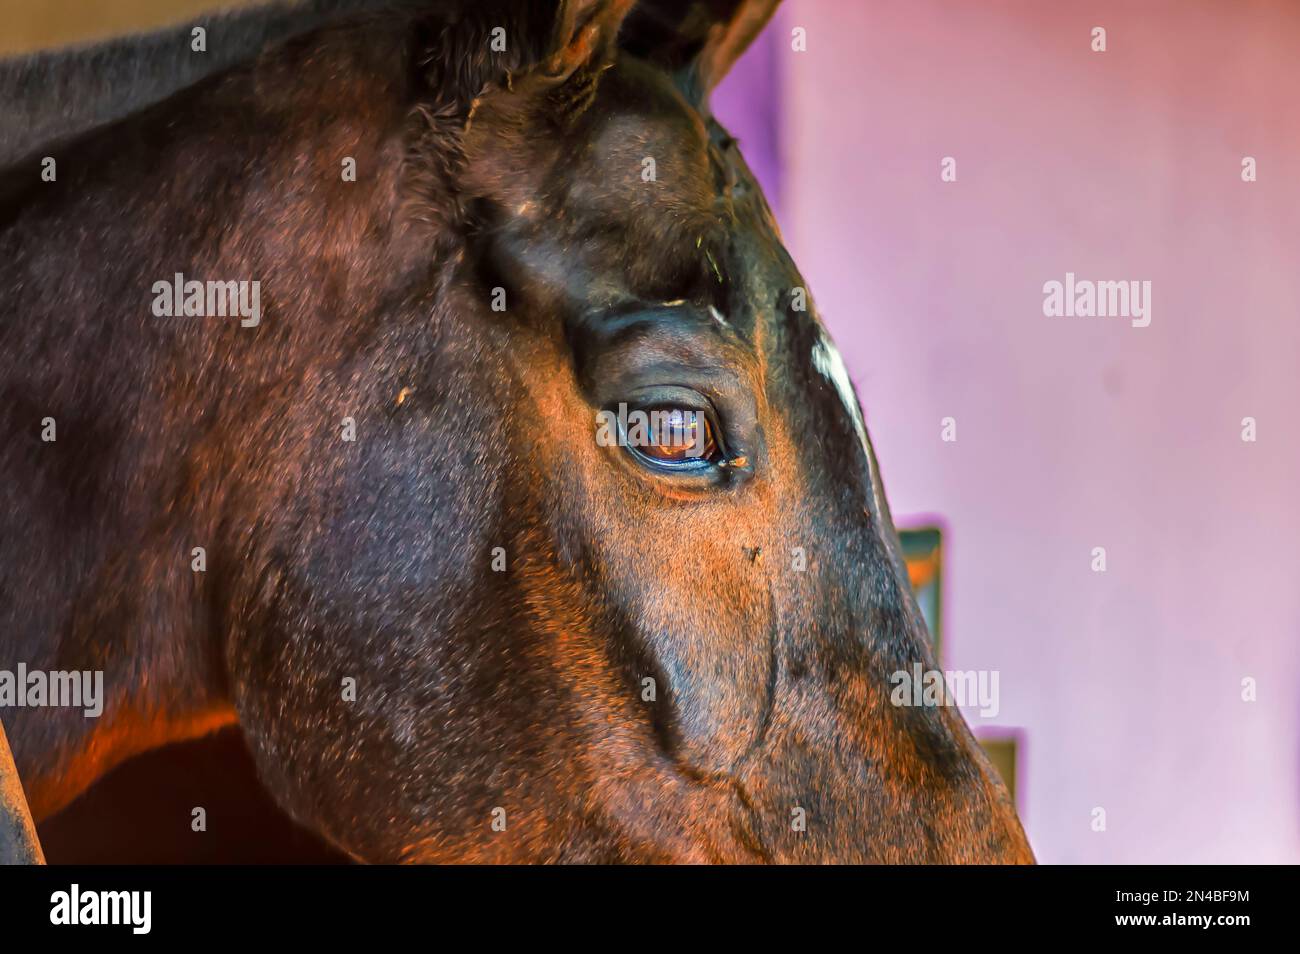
pixel 362 512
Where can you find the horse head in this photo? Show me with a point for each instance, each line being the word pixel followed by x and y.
pixel 459 606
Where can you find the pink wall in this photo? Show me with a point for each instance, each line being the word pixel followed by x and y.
pixel 1076 433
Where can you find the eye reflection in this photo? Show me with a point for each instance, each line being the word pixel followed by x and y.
pixel 671 436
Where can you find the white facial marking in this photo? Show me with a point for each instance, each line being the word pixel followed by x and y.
pixel 826 359
pixel 717 316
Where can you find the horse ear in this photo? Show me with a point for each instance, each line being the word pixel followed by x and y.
pixel 585 33
pixel 697 39
pixel 467 50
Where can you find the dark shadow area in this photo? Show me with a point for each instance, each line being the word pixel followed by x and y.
pixel 141 813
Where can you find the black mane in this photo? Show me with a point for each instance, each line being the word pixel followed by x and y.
pixel 52 97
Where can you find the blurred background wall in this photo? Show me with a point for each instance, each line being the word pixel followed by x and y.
pixel 1125 687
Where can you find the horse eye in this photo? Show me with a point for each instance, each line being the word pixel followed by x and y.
pixel 676 436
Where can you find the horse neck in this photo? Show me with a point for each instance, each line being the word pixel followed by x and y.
pixel 239 180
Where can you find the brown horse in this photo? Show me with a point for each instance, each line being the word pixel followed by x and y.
pixel 303 359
